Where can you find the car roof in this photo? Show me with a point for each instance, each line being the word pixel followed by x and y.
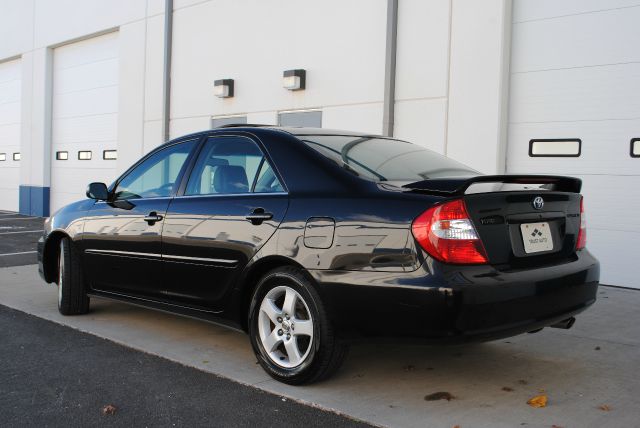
pixel 293 130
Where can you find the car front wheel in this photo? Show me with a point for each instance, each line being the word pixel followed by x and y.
pixel 290 331
pixel 72 295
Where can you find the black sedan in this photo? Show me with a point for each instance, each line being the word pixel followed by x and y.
pixel 308 239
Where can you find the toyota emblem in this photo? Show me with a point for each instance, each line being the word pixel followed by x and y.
pixel 538 203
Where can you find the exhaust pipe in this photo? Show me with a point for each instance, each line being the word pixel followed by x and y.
pixel 565 324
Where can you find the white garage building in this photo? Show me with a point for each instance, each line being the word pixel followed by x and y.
pixel 516 86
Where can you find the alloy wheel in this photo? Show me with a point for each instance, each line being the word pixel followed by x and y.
pixel 285 326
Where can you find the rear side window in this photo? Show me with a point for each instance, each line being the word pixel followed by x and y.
pixel 385 159
pixel 266 181
pixel 231 165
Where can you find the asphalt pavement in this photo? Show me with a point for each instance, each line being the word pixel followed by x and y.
pixel 52 375
pixel 18 237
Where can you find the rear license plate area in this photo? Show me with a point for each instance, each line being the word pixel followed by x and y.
pixel 536 237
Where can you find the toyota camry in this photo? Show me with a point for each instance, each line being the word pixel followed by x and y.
pixel 308 239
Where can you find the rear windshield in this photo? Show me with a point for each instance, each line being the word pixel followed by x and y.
pixel 385 159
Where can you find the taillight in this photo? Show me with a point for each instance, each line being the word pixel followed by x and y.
pixel 446 232
pixel 582 233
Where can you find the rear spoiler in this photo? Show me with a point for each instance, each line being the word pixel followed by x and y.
pixel 458 186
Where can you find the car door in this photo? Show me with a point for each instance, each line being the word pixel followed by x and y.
pixel 123 236
pixel 231 205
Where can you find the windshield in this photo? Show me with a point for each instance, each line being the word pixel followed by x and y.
pixel 385 159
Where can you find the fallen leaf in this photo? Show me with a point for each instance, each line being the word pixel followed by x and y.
pixel 456 426
pixel 538 401
pixel 597 348
pixel 507 389
pixel 109 409
pixel 522 382
pixel 556 426
pixel 205 361
pixel 442 395
pixel 605 408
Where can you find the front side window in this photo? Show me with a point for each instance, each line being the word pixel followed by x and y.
pixel 231 165
pixel 157 175
pixel 385 159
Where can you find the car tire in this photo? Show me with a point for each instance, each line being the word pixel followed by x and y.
pixel 72 294
pixel 273 334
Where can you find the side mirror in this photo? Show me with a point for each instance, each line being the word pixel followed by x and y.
pixel 97 191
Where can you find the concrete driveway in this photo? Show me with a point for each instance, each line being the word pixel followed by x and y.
pixel 581 370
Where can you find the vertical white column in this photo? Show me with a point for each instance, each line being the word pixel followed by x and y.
pixel 153 83
pixel 35 140
pixel 478 85
pixel 131 93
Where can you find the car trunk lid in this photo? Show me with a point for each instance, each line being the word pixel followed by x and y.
pixel 521 220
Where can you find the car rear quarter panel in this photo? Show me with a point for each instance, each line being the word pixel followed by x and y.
pixel 372 232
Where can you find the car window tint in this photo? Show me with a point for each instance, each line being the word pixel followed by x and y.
pixel 156 176
pixel 383 159
pixel 226 165
pixel 267 181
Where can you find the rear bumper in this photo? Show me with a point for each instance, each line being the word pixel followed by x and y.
pixel 447 303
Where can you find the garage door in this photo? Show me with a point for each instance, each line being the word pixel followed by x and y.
pixel 9 134
pixel 575 73
pixel 85 117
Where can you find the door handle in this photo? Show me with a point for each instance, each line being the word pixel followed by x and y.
pixel 152 218
pixel 258 215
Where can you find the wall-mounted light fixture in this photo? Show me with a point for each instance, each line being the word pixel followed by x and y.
pixel 223 88
pixel 62 155
pixel 16 156
pixel 294 80
pixel 3 157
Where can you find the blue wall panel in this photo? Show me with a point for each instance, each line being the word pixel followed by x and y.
pixel 34 200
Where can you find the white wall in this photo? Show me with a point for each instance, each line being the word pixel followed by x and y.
pixel 422 72
pixel 343 54
pixel 446 50
pixel 478 83
pixel 444 98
